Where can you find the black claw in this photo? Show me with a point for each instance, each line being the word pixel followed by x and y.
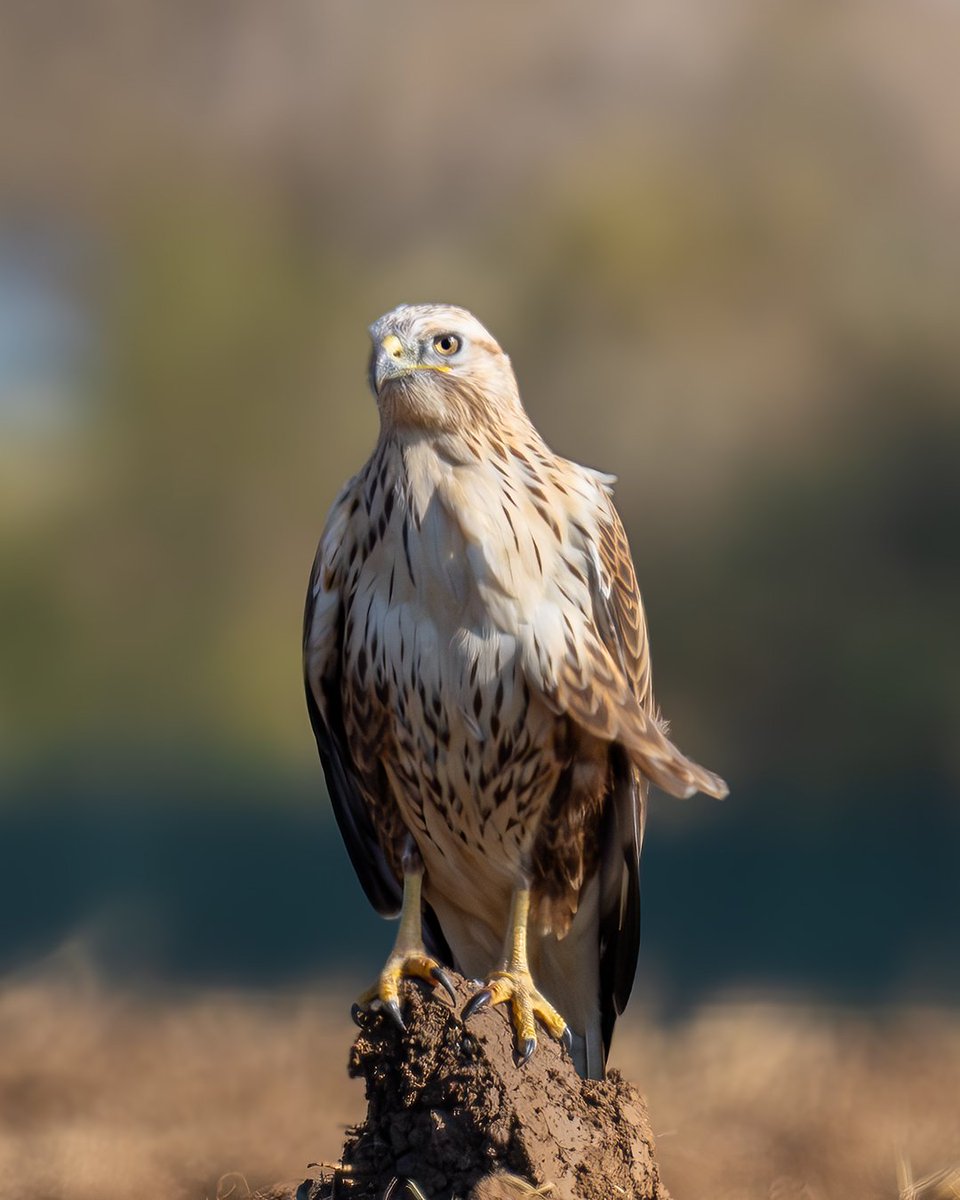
pixel 526 1049
pixel 475 1004
pixel 356 1015
pixel 393 1009
pixel 567 1039
pixel 441 977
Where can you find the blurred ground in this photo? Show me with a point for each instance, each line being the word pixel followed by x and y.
pixel 108 1095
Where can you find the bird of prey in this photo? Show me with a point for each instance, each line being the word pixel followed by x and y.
pixel 478 680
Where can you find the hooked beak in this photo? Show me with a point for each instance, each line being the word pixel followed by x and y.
pixel 393 359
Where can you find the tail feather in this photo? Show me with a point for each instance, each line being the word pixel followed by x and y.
pixel 586 1050
pixel 567 971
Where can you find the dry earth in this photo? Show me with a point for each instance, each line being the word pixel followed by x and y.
pixel 448 1108
pixel 105 1094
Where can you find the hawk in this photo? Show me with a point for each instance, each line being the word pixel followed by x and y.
pixel 478 679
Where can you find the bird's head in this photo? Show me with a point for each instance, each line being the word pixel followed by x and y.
pixel 435 367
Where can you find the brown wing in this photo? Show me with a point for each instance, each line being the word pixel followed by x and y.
pixel 351 761
pixel 588 683
pixel 618 615
pixel 600 676
pixel 621 625
pixel 322 643
pixel 618 609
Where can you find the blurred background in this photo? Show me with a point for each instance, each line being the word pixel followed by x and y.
pixel 720 243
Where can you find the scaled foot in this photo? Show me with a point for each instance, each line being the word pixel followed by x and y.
pixel 385 993
pixel 527 1006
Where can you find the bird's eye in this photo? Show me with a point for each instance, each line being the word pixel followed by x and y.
pixel 446 344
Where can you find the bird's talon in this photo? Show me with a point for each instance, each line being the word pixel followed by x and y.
pixel 384 996
pixel 525 1050
pixel 392 1008
pixel 515 987
pixel 475 1003
pixel 439 975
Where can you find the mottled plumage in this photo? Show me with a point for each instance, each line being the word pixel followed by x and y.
pixel 478 675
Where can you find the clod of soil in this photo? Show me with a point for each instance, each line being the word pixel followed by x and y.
pixel 451 1116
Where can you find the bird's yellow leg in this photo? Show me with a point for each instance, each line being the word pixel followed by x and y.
pixel 408 958
pixel 513 983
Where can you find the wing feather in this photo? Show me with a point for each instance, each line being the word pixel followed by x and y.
pixel 322 659
pixel 619 617
pixel 605 682
pixel 621 838
pixel 598 672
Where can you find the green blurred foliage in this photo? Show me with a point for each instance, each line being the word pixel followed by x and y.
pixel 719 248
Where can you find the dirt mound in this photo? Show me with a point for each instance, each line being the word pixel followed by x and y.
pixel 451 1112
